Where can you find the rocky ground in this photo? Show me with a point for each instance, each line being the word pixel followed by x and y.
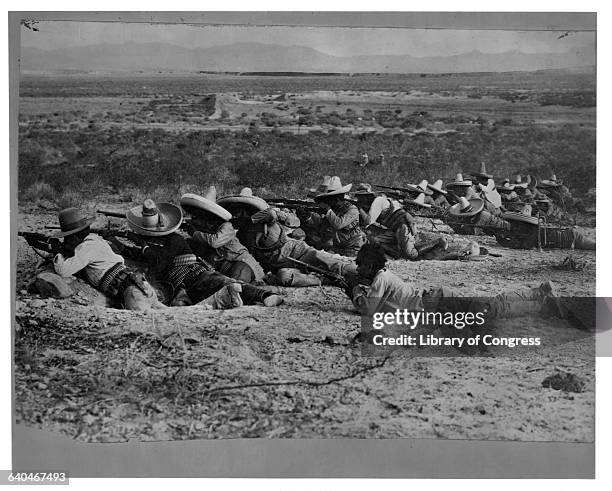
pixel 297 371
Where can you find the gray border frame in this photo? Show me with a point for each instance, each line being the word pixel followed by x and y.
pixel 413 458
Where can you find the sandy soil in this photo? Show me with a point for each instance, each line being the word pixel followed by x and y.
pixel 298 371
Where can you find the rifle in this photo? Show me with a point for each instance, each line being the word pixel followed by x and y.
pixel 112 213
pixel 398 189
pixel 42 242
pixel 295 204
pixel 335 277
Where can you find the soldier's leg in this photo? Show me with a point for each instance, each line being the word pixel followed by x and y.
pixel 239 271
pixel 525 301
pixel 206 285
pixel 252 294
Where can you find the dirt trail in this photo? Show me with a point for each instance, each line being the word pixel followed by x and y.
pixel 297 371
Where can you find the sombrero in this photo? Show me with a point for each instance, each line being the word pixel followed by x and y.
pixel 195 205
pixel 550 183
pixel 72 221
pixel 419 201
pixel 363 189
pixel 154 220
pixel 334 188
pixel 312 192
pixel 482 172
pixel 519 217
pixel 506 186
pixel 467 207
pixel 244 198
pixel 437 186
pixel 459 181
pixel 518 181
pixel 422 187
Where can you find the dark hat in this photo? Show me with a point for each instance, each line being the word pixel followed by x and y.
pixel 72 221
pixel 154 220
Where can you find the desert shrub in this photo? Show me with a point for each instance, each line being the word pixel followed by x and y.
pixel 150 160
pixel 38 191
pixel 69 198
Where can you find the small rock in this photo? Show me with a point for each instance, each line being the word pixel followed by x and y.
pixel 567 382
pixel 37 304
pixel 481 409
pixel 52 285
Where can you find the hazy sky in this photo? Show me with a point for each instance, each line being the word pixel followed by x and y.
pixel 333 41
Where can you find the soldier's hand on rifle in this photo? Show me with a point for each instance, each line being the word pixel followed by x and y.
pixel 55 246
pixel 324 206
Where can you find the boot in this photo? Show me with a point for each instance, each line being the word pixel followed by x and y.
pixel 226 298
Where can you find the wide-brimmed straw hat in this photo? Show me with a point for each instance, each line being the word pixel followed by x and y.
pixel 459 181
pixel 506 186
pixel 422 187
pixel 482 172
pixel 154 220
pixel 550 183
pixel 334 188
pixel 519 183
pixel 196 205
pixel 244 198
pixel 363 189
pixel 437 186
pixel 467 207
pixel 312 192
pixel 418 201
pixel 72 221
pixel 519 217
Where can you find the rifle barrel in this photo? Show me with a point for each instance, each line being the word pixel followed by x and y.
pixel 112 213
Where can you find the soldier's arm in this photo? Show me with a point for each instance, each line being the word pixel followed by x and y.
pixel 221 237
pixel 340 222
pixel 68 266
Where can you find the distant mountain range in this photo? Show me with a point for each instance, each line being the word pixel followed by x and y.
pixel 257 57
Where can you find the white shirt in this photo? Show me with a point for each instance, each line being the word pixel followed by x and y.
pixel 387 293
pixel 380 204
pixel 94 255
